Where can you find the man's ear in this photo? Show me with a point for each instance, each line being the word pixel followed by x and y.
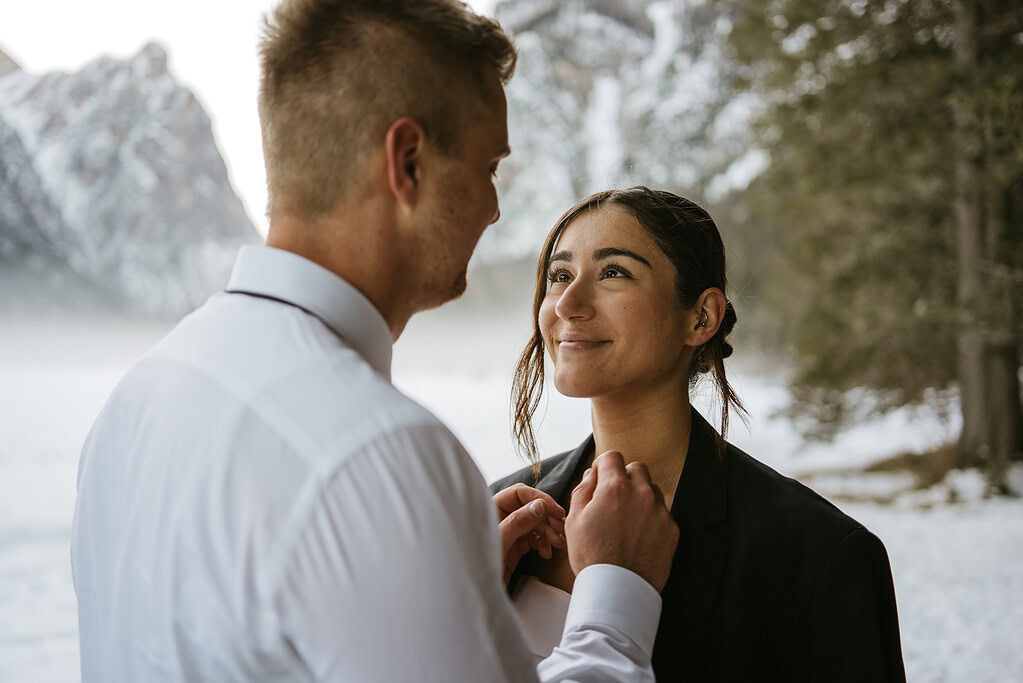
pixel 403 147
pixel 703 320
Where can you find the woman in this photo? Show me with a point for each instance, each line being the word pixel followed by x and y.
pixel 770 581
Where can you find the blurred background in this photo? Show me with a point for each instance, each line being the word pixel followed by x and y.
pixel 863 161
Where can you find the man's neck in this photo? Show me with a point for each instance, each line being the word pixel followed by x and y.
pixel 356 248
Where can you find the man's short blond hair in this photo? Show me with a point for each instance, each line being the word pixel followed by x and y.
pixel 335 74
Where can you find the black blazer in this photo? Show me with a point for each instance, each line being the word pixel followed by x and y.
pixel 770 581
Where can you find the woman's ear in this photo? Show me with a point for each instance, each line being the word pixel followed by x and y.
pixel 705 317
pixel 403 147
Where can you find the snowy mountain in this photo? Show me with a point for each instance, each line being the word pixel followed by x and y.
pixel 7 65
pixel 110 176
pixel 612 93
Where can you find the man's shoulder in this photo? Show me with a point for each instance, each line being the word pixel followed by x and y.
pixel 287 370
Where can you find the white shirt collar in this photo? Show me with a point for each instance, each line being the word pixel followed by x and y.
pixel 293 279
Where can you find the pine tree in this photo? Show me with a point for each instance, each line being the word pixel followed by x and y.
pixel 895 187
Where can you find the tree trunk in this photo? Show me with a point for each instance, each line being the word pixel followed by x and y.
pixel 1013 281
pixel 988 349
pixel 1002 343
pixel 974 443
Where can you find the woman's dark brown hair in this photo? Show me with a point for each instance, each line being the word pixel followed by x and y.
pixel 688 237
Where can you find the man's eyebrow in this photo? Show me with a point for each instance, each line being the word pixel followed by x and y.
pixel 608 252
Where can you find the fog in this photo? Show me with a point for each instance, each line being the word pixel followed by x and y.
pixel 954 565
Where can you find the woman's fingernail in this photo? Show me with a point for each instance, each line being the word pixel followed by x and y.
pixel 537 508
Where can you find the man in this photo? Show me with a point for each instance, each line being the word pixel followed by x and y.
pixel 256 501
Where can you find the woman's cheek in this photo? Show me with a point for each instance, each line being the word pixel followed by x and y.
pixel 549 348
pixel 546 321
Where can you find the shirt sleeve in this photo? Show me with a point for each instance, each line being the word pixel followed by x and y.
pixel 609 631
pixel 854 623
pixel 394 575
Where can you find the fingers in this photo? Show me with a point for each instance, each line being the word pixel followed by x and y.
pixel 514 497
pixel 532 525
pixel 523 521
pixel 638 472
pixel 545 538
pixel 542 546
pixel 659 495
pixel 554 537
pixel 583 493
pixel 512 557
pixel 608 467
pixel 528 520
pixel 536 540
pixel 609 464
pixel 610 470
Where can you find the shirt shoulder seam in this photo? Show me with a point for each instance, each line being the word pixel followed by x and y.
pixel 312 496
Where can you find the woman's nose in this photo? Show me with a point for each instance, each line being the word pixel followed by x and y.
pixel 575 303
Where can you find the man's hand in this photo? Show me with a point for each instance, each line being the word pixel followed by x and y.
pixel 528 519
pixel 619 517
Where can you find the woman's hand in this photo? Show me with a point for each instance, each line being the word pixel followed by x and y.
pixel 528 519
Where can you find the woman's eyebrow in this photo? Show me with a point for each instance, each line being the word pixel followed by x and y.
pixel 608 252
pixel 561 256
pixel 600 255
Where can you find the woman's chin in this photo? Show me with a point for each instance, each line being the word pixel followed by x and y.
pixel 576 387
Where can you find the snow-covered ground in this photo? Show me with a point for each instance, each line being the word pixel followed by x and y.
pixel 958 567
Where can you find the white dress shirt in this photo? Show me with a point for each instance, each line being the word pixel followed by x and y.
pixel 542 610
pixel 257 502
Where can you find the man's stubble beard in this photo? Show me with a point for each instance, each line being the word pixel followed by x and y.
pixel 435 297
pixel 459 286
pixel 440 288
pixel 437 285
pixel 455 287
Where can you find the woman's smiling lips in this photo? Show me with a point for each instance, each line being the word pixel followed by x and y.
pixel 580 343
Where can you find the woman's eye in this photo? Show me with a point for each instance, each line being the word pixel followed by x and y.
pixel 556 276
pixel 612 272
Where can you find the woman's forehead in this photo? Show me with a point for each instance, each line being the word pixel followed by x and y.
pixel 592 228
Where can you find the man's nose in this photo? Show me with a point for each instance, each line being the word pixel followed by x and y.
pixel 497 214
pixel 575 303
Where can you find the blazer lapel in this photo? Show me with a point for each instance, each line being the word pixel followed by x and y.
pixel 699 508
pixel 554 483
pixel 700 505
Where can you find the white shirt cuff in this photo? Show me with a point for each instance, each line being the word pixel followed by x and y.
pixel 614 596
